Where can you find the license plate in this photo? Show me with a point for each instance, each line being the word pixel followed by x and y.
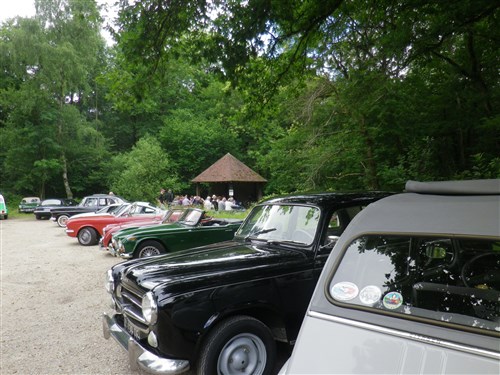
pixel 132 330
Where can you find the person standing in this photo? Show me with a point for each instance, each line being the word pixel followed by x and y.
pixel 208 206
pixel 169 197
pixel 222 204
pixel 186 201
pixel 162 198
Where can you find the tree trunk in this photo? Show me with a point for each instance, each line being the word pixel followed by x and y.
pixel 370 158
pixel 69 193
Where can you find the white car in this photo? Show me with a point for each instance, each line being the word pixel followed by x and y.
pixel 411 287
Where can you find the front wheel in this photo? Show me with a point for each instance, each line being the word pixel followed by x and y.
pixel 62 220
pixel 87 236
pixel 149 248
pixel 238 345
pixel 38 217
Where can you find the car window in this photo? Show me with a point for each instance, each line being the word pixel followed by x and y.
pixel 90 202
pixel 453 281
pixel 282 223
pixel 51 202
pixel 338 222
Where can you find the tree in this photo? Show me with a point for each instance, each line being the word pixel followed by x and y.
pixel 48 64
pixel 142 172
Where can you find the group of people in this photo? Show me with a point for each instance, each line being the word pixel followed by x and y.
pixel 210 203
pixel 219 203
pixel 165 198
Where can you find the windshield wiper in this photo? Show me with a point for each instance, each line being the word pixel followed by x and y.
pixel 253 236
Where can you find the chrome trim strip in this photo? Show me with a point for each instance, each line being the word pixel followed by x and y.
pixel 132 297
pixel 406 335
pixel 133 315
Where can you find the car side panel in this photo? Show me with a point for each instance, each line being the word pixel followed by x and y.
pixel 194 237
pixel 349 349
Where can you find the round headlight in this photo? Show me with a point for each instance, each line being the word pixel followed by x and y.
pixel 149 308
pixel 110 282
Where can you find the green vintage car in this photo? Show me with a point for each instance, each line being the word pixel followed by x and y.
pixel 193 229
pixel 28 204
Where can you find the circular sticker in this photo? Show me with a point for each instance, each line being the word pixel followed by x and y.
pixel 344 291
pixel 393 300
pixel 370 295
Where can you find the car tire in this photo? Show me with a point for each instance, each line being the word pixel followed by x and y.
pixel 149 248
pixel 238 345
pixel 62 220
pixel 38 217
pixel 87 236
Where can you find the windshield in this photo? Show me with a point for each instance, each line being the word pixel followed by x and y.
pixel 122 210
pixel 191 217
pixel 281 223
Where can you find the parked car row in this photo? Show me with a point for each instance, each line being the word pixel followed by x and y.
pixel 91 203
pixel 355 283
pixel 340 278
pixel 221 308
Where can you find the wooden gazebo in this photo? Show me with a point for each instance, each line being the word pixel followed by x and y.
pixel 229 177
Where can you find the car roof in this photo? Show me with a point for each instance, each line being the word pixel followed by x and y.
pixel 455 213
pixel 327 199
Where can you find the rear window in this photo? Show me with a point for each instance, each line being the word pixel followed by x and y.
pixel 456 281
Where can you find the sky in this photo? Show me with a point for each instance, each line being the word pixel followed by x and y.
pixel 13 8
pixel 26 8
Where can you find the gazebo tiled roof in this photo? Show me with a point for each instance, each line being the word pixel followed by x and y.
pixel 228 169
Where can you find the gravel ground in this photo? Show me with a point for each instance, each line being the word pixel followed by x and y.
pixel 52 298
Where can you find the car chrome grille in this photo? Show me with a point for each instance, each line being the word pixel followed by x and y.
pixel 130 305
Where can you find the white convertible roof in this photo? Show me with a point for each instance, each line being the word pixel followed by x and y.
pixel 475 215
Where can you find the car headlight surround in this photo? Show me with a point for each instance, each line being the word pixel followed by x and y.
pixel 110 282
pixel 149 308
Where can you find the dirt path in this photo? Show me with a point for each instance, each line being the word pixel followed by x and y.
pixel 52 298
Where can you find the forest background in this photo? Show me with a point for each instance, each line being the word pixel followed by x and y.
pixel 313 95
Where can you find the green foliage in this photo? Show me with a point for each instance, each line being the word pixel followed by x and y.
pixel 331 95
pixel 139 175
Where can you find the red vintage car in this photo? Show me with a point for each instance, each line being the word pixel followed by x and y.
pixel 88 229
pixel 171 216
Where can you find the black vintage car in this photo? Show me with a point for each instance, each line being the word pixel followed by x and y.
pixel 42 211
pixel 221 309
pixel 91 203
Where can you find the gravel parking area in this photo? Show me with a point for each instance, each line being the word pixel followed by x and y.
pixel 52 298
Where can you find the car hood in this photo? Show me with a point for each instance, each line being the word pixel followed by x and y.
pixel 88 215
pixel 212 265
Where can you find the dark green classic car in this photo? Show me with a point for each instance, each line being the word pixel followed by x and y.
pixel 193 229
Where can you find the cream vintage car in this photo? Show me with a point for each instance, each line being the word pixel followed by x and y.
pixel 411 287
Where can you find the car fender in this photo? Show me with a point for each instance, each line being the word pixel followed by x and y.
pixel 148 238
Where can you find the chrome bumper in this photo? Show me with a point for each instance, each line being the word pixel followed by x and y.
pixel 139 357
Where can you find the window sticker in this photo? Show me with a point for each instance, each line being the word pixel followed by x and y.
pixel 344 291
pixel 370 295
pixel 393 300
